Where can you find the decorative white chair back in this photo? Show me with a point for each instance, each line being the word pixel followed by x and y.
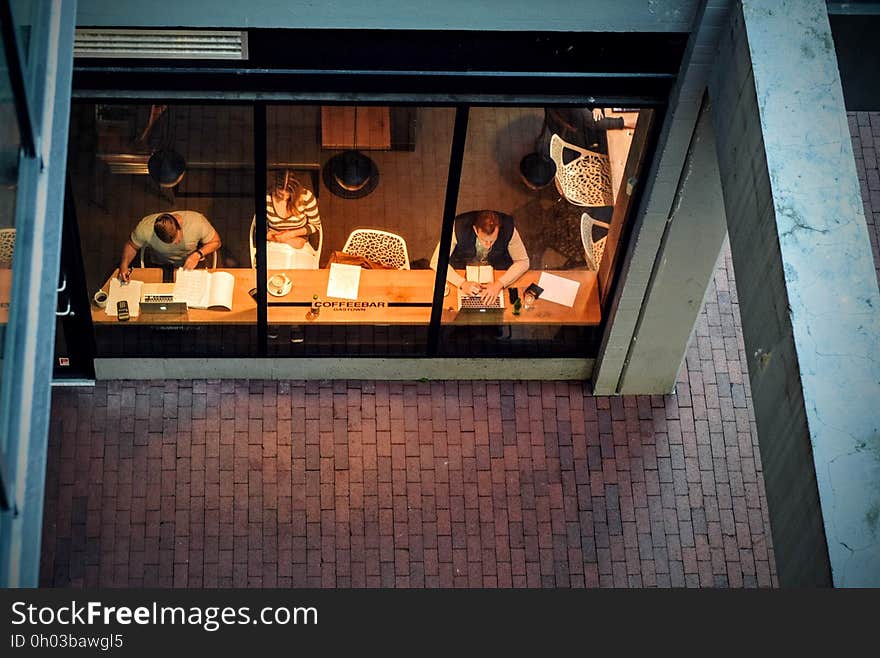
pixel 379 246
pixel 592 250
pixel 586 180
pixel 7 247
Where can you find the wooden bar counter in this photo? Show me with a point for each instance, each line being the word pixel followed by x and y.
pixel 384 297
pixel 244 308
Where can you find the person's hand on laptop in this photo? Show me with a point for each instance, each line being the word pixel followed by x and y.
pixel 491 291
pixel 470 288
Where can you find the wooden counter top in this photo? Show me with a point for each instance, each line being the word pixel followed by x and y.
pixel 384 297
pixel 244 308
pixel 5 293
pixel 619 142
pixel 586 310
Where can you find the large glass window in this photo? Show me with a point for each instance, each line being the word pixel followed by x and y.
pixel 537 202
pixel 349 220
pixel 166 193
pixel 354 206
pixel 10 146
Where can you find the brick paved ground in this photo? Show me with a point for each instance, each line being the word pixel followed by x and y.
pixel 337 484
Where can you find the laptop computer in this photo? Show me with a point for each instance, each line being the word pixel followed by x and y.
pixel 475 303
pixel 158 299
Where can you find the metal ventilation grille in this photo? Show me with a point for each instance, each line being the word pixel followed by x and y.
pixel 160 44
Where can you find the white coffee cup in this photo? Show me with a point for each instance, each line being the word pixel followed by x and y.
pixel 101 299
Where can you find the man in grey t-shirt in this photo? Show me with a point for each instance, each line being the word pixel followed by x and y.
pixel 181 239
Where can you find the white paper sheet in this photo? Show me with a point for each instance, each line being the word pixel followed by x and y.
pixel 221 290
pixel 192 287
pixel 130 292
pixel 344 281
pixel 558 289
pixel 203 289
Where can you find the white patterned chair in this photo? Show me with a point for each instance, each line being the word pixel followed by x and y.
pixel 379 246
pixel 586 180
pixel 7 247
pixel 592 250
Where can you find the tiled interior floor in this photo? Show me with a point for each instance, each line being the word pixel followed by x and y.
pixel 333 484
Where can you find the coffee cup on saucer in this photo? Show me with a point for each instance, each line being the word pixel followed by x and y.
pixel 101 299
pixel 279 285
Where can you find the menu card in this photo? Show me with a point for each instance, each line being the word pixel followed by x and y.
pixel 558 289
pixel 344 281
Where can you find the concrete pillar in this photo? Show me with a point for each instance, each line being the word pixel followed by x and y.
pixel 692 239
pixel 806 285
pixel 633 294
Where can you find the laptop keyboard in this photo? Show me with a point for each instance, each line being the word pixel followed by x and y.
pixel 474 301
pixel 160 298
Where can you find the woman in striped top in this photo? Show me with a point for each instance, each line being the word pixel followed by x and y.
pixel 292 213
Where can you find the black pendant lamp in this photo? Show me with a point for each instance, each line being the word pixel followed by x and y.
pixel 166 167
pixel 350 175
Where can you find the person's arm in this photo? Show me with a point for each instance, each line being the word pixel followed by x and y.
pixel 520 256
pixel 611 123
pixel 311 212
pixel 129 251
pixel 452 277
pixel 209 247
pixel 297 237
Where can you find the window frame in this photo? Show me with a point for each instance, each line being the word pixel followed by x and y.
pixel 262 82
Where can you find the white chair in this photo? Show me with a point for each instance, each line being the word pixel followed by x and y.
pixel 379 246
pixel 306 258
pixel 586 180
pixel 592 250
pixel 212 255
pixel 7 247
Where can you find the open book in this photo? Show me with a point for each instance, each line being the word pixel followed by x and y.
pixel 203 289
pixel 480 273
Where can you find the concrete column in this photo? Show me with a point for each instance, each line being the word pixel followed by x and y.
pixel 662 181
pixel 693 236
pixel 806 285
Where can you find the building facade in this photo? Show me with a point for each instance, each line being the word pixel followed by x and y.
pixel 623 142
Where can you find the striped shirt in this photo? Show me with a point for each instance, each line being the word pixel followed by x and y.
pixel 305 215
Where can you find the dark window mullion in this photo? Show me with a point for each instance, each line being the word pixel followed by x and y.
pixel 260 159
pixel 456 158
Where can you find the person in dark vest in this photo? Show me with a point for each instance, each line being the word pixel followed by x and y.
pixel 485 237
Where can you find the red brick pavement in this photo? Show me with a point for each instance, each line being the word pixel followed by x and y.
pixel 442 484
